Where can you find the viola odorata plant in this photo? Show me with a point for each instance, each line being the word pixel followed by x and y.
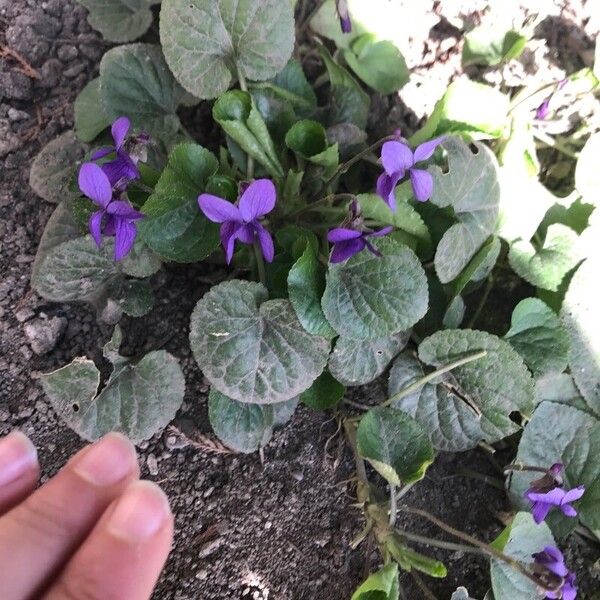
pixel 346 258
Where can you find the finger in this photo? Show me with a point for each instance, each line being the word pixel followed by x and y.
pixel 19 469
pixel 125 553
pixel 38 536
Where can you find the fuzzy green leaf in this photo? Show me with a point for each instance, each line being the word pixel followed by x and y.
pixel 581 318
pixel 139 399
pixel 135 81
pixel 370 297
pixel 207 42
pixel 358 362
pixel 378 63
pixel 395 444
pixel 306 284
pixel 120 21
pixel 90 118
pixel 174 226
pixel 537 334
pixel 55 166
pixel 471 188
pixel 485 45
pixel 324 393
pixel 381 585
pixel 253 349
pixel 241 426
pixel 546 267
pixel 237 115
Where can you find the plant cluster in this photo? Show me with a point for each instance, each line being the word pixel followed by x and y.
pixel 358 259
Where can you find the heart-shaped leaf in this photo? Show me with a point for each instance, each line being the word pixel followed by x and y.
pixel 309 141
pixel 208 43
pixel 470 109
pixel 524 539
pixel 237 115
pixel 324 393
pixel 381 585
pixel 580 316
pixel 471 188
pixel 134 297
pixel 306 283
pixel 61 227
pixel 120 20
pixel 378 63
pixel 358 362
pixel 141 261
pixel 90 118
pixel 395 444
pixel 76 270
pixel 567 435
pixel 472 402
pixel 173 226
pixel 370 297
pixel 253 349
pixel 537 334
pixel 492 45
pixel 54 167
pixel 546 267
pixel 241 426
pixel 136 82
pixel 139 399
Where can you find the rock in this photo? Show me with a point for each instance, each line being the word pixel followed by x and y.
pixel 43 334
pixel 67 53
pixel 111 313
pixel 152 465
pixel 17 115
pixel 9 142
pixel 15 85
pixel 50 73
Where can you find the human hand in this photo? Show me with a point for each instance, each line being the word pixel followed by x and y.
pixel 94 531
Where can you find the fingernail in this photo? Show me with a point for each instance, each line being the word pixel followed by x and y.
pixel 17 456
pixel 107 461
pixel 140 513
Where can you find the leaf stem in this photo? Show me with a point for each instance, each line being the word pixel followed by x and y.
pixel 346 165
pixel 427 378
pixel 249 159
pixel 324 201
pixel 486 292
pixel 393 505
pixel 486 548
pixel 260 264
pixel 421 539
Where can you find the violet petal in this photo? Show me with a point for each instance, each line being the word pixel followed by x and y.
pixel 344 250
pixel 125 232
pixel 94 183
pixel 102 152
pixel 540 511
pixel 119 130
pixel 426 149
pixel 257 200
pixel 123 209
pixel 381 232
pixel 342 234
pixel 386 184
pixel 396 157
pixel 95 226
pixel 574 494
pixel 228 237
pixel 422 184
pixel 266 242
pixel 217 209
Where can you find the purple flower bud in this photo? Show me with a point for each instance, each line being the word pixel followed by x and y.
pixel 398 159
pixel 344 15
pixel 240 221
pixel 348 242
pixel 543 110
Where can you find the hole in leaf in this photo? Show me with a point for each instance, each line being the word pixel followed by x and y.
pixel 75 407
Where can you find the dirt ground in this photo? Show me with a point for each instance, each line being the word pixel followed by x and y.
pixel 278 530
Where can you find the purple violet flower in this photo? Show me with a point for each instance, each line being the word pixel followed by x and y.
pixel 116 216
pixel 240 221
pixel 123 168
pixel 545 492
pixel 344 14
pixel 552 559
pixel 397 159
pixel 543 110
pixel 348 242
